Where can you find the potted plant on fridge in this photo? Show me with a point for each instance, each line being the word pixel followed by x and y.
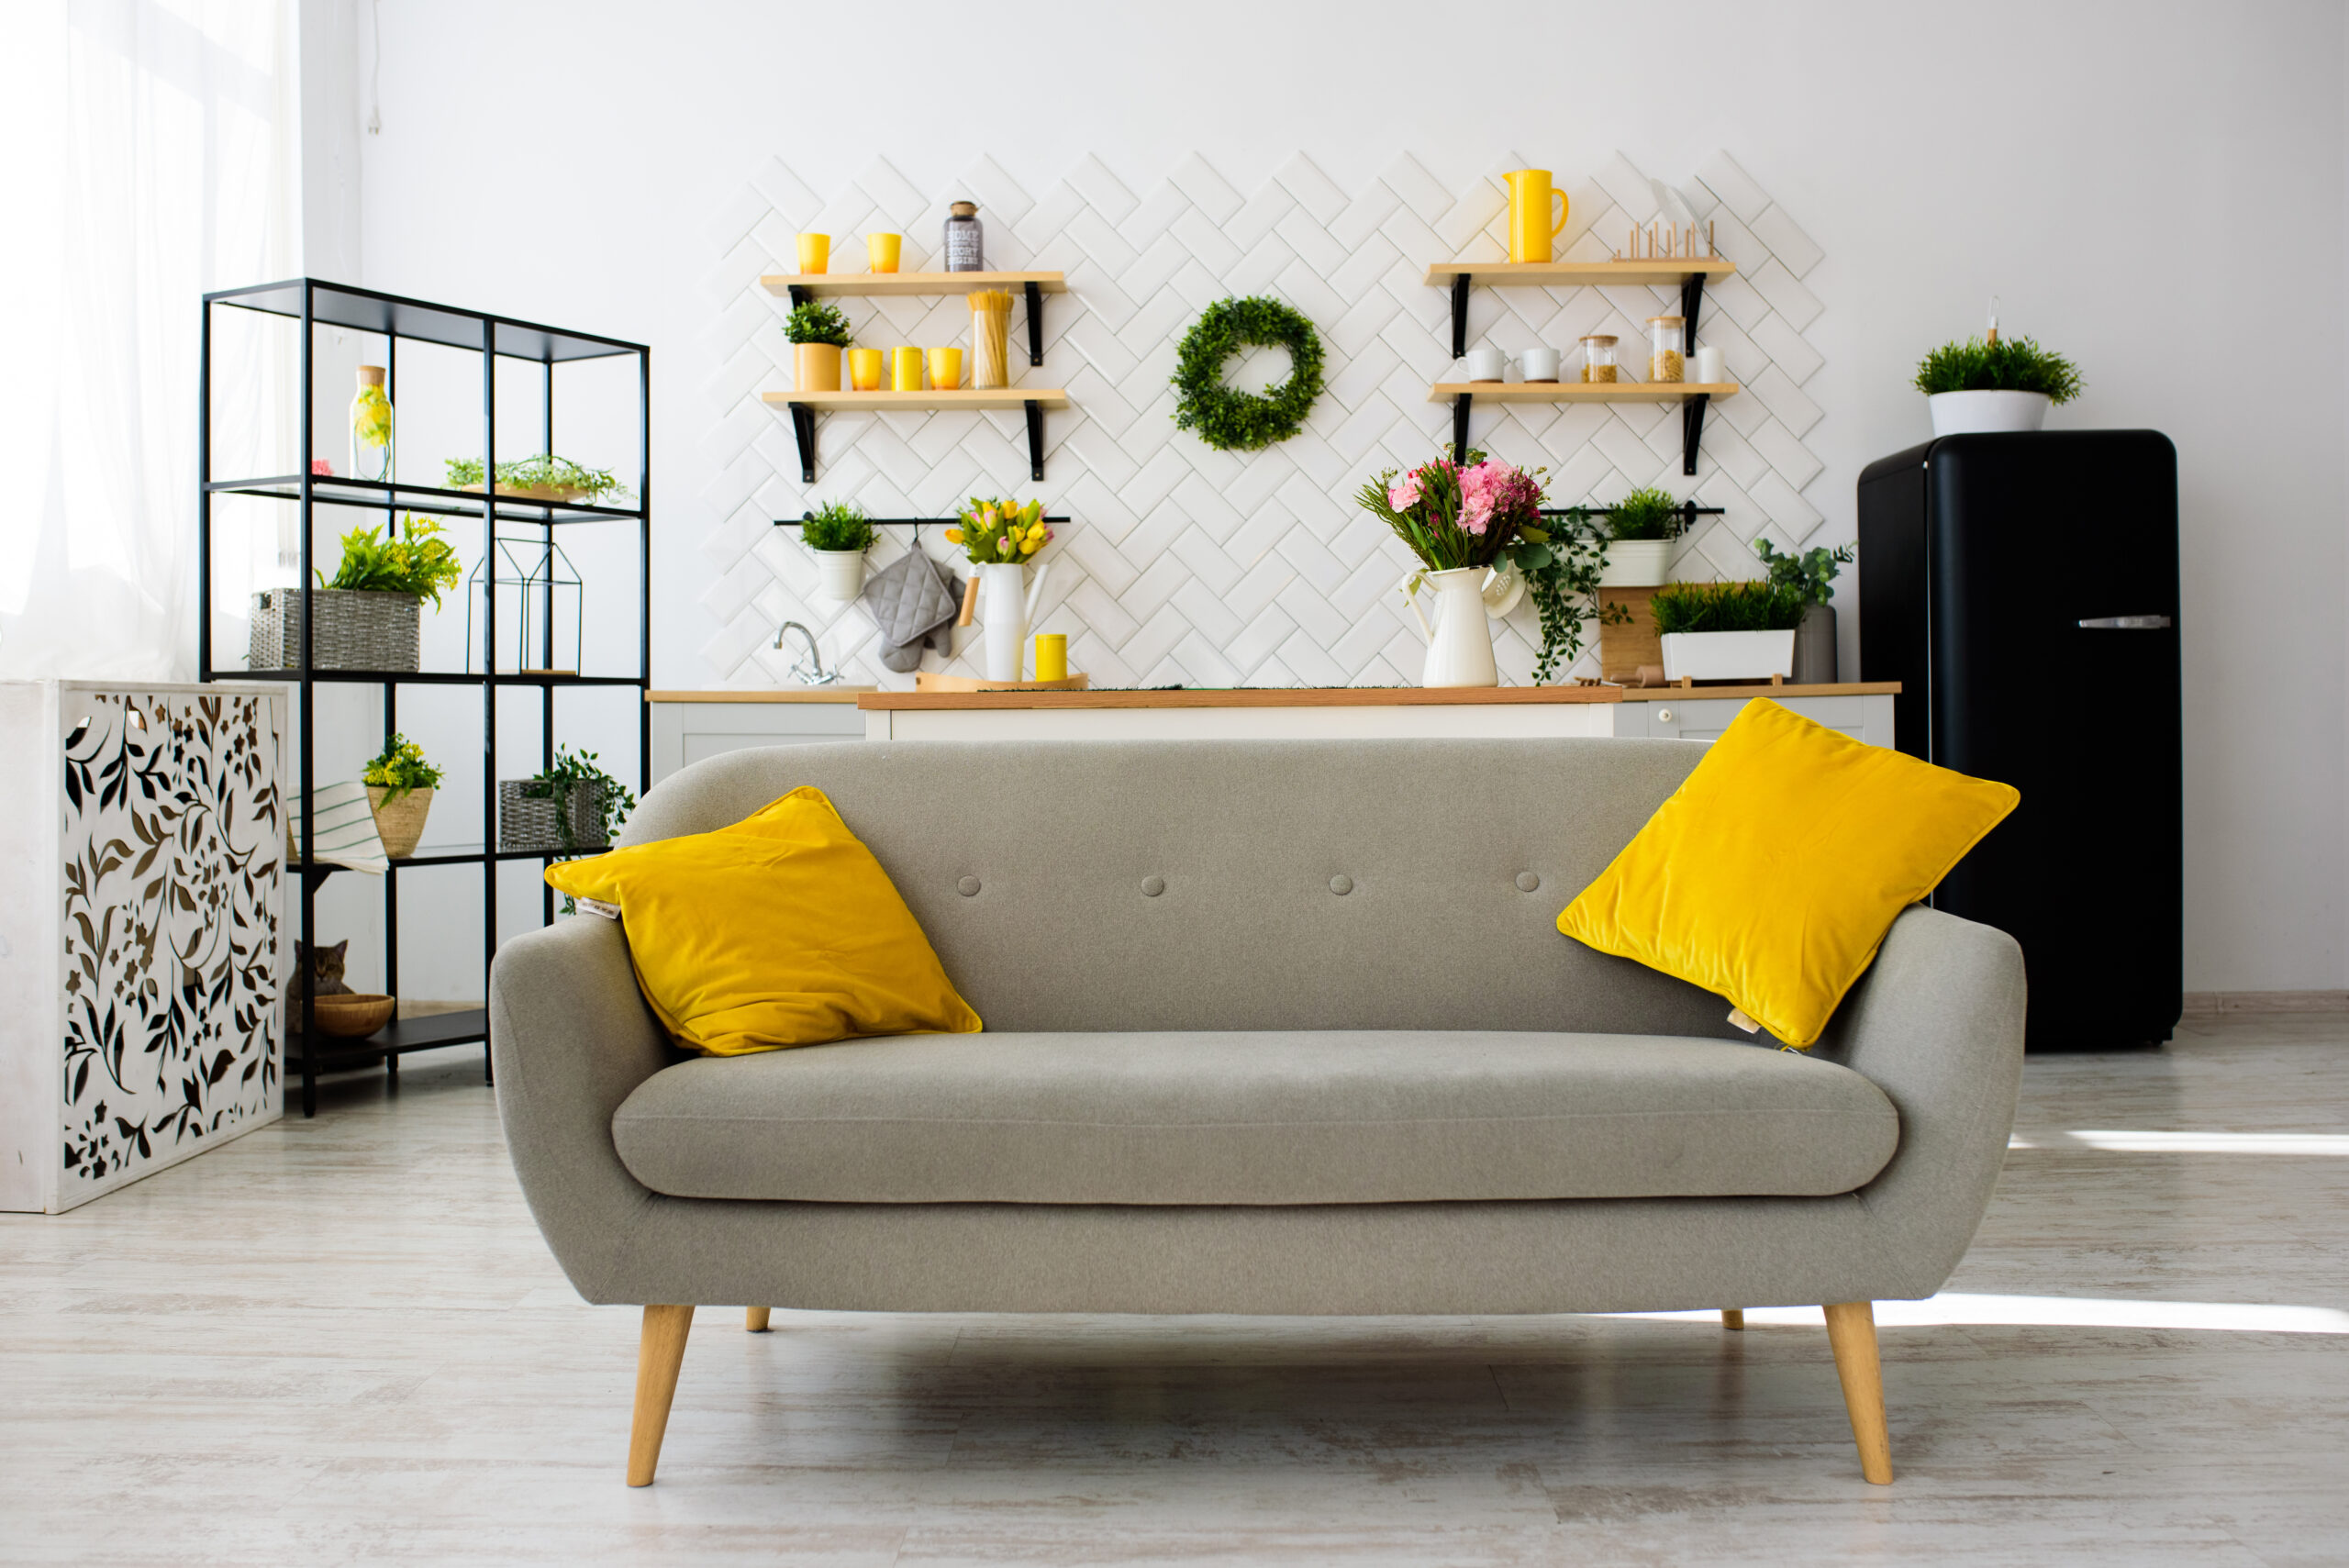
pixel 1639 531
pixel 1460 519
pixel 1727 631
pixel 817 332
pixel 1812 573
pixel 1994 384
pixel 399 792
pixel 838 534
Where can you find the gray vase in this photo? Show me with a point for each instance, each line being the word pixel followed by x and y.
pixel 1815 647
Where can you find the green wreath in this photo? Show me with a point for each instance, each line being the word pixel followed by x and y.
pixel 1231 420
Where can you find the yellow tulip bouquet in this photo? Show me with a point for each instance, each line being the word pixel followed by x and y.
pixel 999 531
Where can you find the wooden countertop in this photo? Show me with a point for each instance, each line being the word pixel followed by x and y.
pixel 1700 694
pixel 778 694
pixel 871 698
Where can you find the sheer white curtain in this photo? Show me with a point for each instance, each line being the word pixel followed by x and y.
pixel 154 154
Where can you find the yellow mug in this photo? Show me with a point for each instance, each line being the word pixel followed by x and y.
pixel 945 368
pixel 1052 655
pixel 865 369
pixel 815 252
pixel 1531 227
pixel 905 369
pixel 881 250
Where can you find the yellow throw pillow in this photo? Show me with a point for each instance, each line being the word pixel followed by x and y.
pixel 1772 876
pixel 780 931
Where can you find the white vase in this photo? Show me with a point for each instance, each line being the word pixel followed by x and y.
pixel 1636 563
pixel 1974 412
pixel 1006 607
pixel 1728 655
pixel 843 573
pixel 1460 643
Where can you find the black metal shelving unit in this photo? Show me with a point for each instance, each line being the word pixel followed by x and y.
pixel 315 304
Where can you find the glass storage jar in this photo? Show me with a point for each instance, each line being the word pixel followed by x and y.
pixel 964 252
pixel 371 428
pixel 1667 340
pixel 1598 357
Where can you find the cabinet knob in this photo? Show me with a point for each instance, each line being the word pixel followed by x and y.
pixel 1663 715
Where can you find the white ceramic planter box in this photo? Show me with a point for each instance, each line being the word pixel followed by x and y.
pixel 1636 563
pixel 1728 655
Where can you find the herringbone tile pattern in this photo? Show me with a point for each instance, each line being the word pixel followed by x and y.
pixel 1182 563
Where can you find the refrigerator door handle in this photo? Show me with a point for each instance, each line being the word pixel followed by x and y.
pixel 2126 623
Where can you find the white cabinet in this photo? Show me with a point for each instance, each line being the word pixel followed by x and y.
pixel 1862 716
pixel 688 727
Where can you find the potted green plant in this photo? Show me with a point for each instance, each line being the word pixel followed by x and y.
pixel 1639 531
pixel 1727 631
pixel 399 792
pixel 545 477
pixel 817 332
pixel 1994 384
pixel 365 617
pixel 1812 573
pixel 839 533
pixel 572 807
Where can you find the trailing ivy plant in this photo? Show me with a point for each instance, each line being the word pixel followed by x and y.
pixel 544 472
pixel 1726 606
pixel 813 321
pixel 2010 364
pixel 836 525
pixel 1811 574
pixel 419 563
pixel 1224 417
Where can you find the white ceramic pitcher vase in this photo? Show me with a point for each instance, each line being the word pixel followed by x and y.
pixel 1459 644
pixel 1005 610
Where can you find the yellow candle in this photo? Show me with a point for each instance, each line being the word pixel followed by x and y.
pixel 905 369
pixel 864 367
pixel 815 252
pixel 881 250
pixel 1051 656
pixel 945 368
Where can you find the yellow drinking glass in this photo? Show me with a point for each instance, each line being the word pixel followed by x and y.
pixel 865 369
pixel 815 252
pixel 881 250
pixel 1052 655
pixel 945 368
pixel 1530 227
pixel 905 369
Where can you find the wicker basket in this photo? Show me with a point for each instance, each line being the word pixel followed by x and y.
pixel 357 630
pixel 399 823
pixel 528 822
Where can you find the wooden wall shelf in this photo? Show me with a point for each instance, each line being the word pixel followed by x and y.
pixel 801 408
pixel 1692 396
pixel 1581 274
pixel 804 286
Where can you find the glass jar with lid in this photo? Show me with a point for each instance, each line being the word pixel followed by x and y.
pixel 1666 341
pixel 964 252
pixel 371 428
pixel 1598 357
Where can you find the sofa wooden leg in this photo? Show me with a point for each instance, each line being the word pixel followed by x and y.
pixel 1733 1318
pixel 659 1354
pixel 1851 1330
pixel 754 1319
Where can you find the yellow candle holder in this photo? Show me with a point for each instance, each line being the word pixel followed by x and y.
pixel 815 252
pixel 945 368
pixel 905 369
pixel 1051 656
pixel 866 367
pixel 881 250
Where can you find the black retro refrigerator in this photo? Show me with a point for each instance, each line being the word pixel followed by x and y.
pixel 2023 590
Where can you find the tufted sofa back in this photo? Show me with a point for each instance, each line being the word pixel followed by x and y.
pixel 1244 885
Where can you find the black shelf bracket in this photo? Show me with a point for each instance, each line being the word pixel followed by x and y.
pixel 1459 314
pixel 1035 434
pixel 1460 426
pixel 800 296
pixel 1692 430
pixel 1035 326
pixel 803 428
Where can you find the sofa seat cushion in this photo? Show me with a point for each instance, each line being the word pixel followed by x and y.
pixel 1335 1117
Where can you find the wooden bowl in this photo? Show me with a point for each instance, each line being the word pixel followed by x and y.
pixel 355 1016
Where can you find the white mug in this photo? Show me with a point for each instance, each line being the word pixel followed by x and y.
pixel 1706 365
pixel 1541 365
pixel 1486 364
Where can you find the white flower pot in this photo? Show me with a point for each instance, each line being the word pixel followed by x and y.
pixel 1636 563
pixel 1972 413
pixel 843 573
pixel 1728 655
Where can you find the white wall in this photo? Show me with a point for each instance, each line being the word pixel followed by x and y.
pixel 2116 172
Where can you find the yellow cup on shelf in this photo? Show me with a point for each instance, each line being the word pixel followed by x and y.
pixel 881 250
pixel 1051 656
pixel 815 252
pixel 865 369
pixel 905 369
pixel 945 368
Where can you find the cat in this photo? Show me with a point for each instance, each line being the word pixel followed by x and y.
pixel 321 968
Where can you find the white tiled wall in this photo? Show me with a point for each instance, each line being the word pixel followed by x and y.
pixel 1182 563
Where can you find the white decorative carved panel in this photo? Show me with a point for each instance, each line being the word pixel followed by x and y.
pixel 1182 563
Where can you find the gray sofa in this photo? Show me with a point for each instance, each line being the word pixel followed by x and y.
pixel 1271 1028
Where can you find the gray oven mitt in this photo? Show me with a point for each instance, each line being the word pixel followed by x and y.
pixel 913 600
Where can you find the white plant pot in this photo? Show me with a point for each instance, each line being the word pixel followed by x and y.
pixel 1974 412
pixel 1460 643
pixel 1636 563
pixel 843 573
pixel 1728 655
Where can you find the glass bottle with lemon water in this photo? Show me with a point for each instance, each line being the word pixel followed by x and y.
pixel 371 428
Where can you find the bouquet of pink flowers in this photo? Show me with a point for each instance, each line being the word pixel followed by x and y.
pixel 1454 515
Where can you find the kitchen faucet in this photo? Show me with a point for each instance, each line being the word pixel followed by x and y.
pixel 810 671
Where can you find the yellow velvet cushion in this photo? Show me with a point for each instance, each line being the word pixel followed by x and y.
pixel 780 931
pixel 1773 874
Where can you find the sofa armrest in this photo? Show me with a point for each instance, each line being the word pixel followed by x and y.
pixel 571 1038
pixel 1937 1024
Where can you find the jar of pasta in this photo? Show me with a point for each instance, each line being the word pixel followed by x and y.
pixel 1666 341
pixel 1598 357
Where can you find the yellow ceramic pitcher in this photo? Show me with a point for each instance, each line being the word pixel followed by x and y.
pixel 1531 227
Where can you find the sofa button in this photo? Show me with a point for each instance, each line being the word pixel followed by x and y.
pixel 1342 884
pixel 968 887
pixel 1527 881
pixel 1152 887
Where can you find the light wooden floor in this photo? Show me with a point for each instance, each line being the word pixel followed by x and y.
pixel 342 1341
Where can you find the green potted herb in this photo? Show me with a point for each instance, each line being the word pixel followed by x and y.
pixel 366 617
pixel 399 792
pixel 1812 573
pixel 572 808
pixel 545 477
pixel 1994 384
pixel 1639 531
pixel 1727 631
pixel 817 332
pixel 839 533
